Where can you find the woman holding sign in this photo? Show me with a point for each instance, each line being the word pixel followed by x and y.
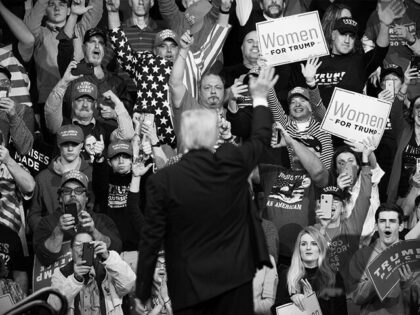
pixel 310 272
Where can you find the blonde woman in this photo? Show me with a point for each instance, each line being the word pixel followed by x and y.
pixel 309 271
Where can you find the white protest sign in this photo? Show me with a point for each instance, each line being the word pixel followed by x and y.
pixel 291 39
pixel 354 116
pixel 310 303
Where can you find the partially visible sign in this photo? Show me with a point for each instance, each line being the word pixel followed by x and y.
pixel 310 303
pixel 354 116
pixel 41 275
pixel 383 270
pixel 291 39
pixel 36 159
pixel 6 303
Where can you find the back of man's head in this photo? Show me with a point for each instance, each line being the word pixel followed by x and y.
pixel 198 129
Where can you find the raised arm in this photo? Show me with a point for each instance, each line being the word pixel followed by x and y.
pixel 253 147
pixel 309 72
pixel 17 27
pixel 129 60
pixel 20 119
pixel 91 17
pixel 210 50
pixel 171 13
pixel 309 160
pixel 34 18
pixel 276 108
pixel 387 13
pixel 176 84
pixel 125 130
pixel 54 104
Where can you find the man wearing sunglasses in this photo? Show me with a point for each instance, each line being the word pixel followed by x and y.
pixel 62 225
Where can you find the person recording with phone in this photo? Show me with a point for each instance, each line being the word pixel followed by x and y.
pixel 343 234
pixel 16 119
pixel 95 281
pixel 406 129
pixel 72 216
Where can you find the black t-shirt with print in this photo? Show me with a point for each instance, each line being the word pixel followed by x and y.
pixel 409 156
pixel 11 250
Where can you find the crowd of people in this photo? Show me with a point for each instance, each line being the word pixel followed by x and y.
pixel 150 142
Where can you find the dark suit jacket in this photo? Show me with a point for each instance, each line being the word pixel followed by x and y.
pixel 200 207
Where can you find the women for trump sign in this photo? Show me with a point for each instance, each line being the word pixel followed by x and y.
pixel 354 116
pixel 291 39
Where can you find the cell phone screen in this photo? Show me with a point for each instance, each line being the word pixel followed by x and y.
pixel 326 205
pixel 87 255
pixel 389 86
pixel 71 208
pixel 149 119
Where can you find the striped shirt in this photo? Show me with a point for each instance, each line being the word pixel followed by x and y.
pixel 202 60
pixel 312 129
pixel 11 205
pixel 20 83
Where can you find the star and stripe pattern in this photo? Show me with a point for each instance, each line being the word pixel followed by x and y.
pixel 151 75
pixel 11 214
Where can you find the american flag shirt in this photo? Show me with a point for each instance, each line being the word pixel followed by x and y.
pixel 151 75
pixel 196 64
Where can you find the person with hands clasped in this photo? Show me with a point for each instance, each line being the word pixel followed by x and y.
pixel 81 283
pixel 310 272
pixel 72 215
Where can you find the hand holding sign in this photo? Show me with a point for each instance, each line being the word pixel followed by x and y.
pixel 366 146
pixel 297 299
pixel 406 274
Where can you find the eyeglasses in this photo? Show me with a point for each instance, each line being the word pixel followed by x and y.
pixel 69 191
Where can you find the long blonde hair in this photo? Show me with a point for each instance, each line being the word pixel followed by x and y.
pixel 325 275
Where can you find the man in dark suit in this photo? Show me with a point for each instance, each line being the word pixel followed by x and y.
pixel 200 209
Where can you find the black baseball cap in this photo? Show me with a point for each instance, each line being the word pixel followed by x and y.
pixel 96 31
pixel 392 68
